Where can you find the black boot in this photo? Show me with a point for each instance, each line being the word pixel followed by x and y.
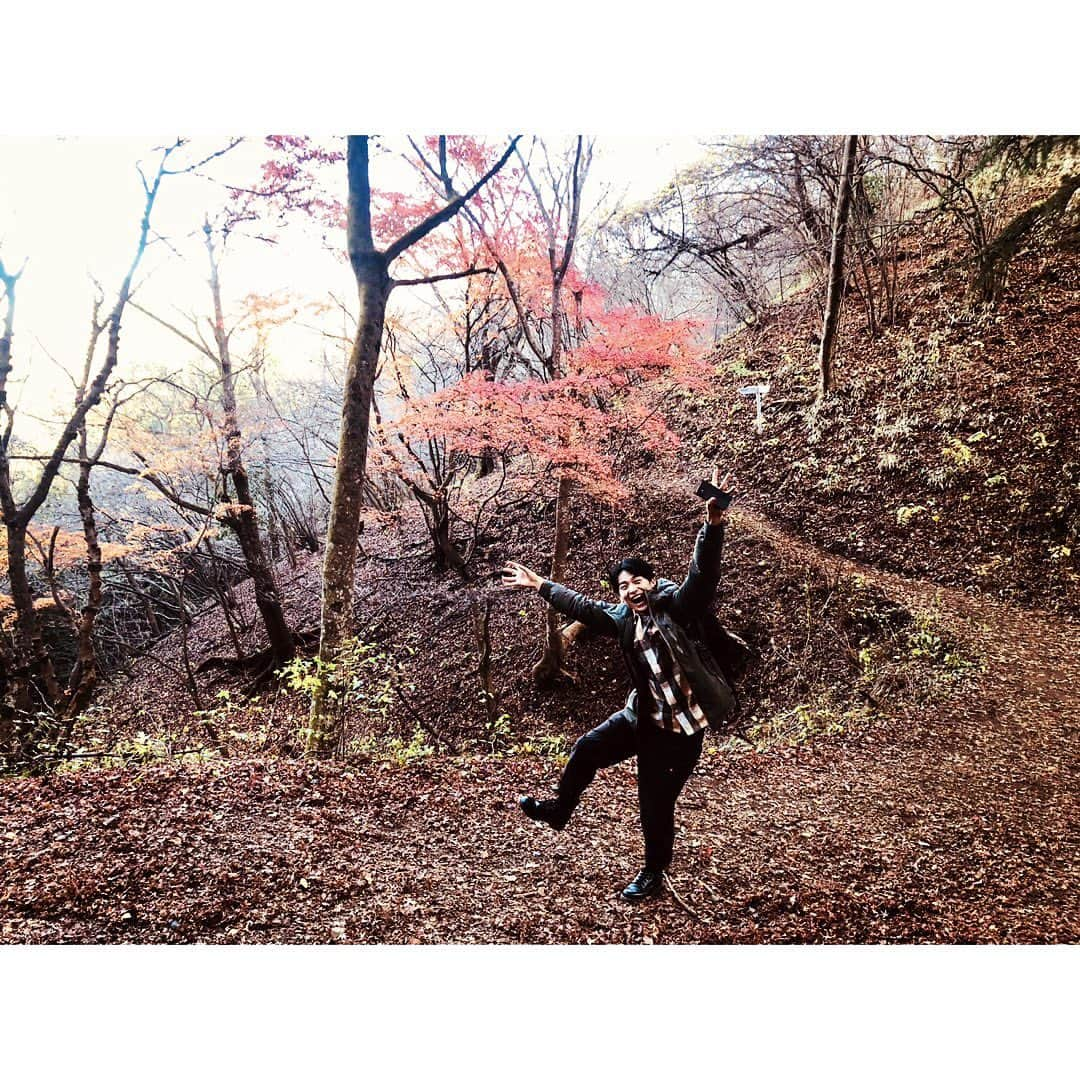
pixel 647 883
pixel 549 811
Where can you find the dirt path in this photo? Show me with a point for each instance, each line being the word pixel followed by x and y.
pixel 953 825
pixel 1032 657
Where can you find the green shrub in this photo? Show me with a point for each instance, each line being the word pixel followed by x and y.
pixel 361 682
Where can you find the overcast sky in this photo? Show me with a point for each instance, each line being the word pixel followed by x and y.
pixel 71 208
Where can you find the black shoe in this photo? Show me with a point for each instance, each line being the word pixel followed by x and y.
pixel 647 883
pixel 547 810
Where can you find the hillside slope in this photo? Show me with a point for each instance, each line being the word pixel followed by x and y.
pixel 950 447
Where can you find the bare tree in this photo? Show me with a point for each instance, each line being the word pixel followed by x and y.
pixel 972 177
pixel 237 508
pixel 371 268
pixel 836 268
pixel 32 667
pixel 754 212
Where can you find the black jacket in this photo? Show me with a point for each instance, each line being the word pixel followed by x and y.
pixel 677 611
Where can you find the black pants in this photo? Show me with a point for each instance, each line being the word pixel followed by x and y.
pixel 665 762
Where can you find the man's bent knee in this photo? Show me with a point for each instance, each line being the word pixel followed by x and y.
pixel 610 739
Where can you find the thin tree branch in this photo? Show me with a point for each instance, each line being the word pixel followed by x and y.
pixel 445 277
pixel 416 234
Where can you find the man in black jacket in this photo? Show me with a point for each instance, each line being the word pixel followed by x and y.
pixel 678 689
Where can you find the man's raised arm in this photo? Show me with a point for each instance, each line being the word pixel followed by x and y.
pixel 696 593
pixel 594 614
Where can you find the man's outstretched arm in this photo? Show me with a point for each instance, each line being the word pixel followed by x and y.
pixel 696 593
pixel 592 613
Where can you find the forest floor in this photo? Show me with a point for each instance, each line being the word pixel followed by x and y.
pixel 951 824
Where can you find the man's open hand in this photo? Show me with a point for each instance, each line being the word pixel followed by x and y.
pixel 514 575
pixel 713 514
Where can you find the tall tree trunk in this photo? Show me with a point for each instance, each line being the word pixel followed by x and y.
pixel 267 599
pixel 8 707
pixel 30 652
pixel 243 518
pixel 551 658
pixel 836 269
pixel 84 674
pixel 325 731
pixel 370 266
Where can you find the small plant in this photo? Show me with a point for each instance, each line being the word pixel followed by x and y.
pixel 905 514
pixel 806 721
pixel 140 748
pixel 919 363
pixel 498 731
pixel 939 477
pixel 740 370
pixel 554 747
pixel 225 708
pixel 925 642
pixel 900 428
pixel 958 454
pixel 361 681
pixel 393 750
pixel 416 749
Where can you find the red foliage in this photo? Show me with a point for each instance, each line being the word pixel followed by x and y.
pixel 577 421
pixel 291 179
pixel 581 423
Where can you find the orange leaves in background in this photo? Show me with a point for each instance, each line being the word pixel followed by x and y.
pixel 69 548
pixel 68 552
pixel 580 423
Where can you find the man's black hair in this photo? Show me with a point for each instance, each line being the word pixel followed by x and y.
pixel 633 566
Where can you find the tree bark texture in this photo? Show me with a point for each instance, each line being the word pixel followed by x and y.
pixel 552 657
pixel 836 268
pixel 84 674
pixel 30 651
pixel 325 736
pixel 243 518
pixel 371 268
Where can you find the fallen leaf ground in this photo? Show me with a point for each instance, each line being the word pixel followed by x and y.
pixel 957 824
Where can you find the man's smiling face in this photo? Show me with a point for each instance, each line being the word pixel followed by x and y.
pixel 632 590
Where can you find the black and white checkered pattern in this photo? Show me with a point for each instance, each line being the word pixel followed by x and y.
pixel 674 707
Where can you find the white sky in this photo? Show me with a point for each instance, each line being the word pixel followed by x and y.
pixel 71 208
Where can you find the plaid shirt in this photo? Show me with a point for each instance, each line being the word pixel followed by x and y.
pixel 674 707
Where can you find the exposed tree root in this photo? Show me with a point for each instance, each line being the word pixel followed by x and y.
pixel 260 666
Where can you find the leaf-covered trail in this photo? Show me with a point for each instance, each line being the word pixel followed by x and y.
pixel 1032 657
pixel 957 825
